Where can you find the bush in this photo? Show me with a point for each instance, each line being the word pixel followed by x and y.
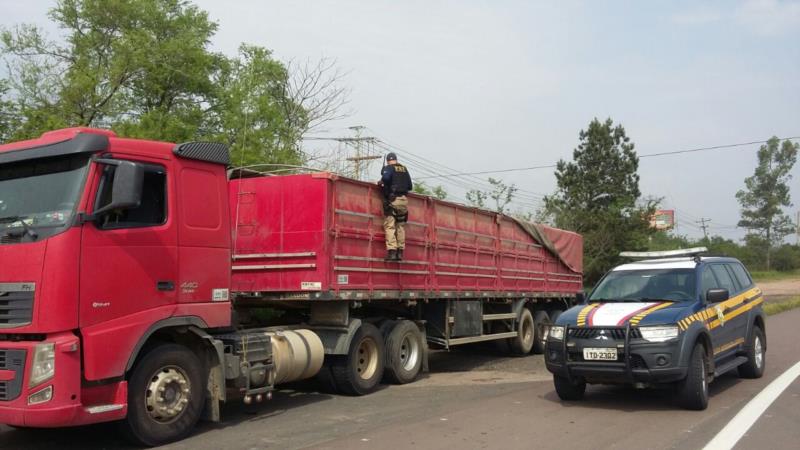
pixel 786 258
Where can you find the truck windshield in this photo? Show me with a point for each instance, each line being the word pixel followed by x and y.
pixel 646 285
pixel 38 197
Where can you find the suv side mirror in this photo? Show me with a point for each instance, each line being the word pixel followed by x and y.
pixel 126 189
pixel 580 297
pixel 717 295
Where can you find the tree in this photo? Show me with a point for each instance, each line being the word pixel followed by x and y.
pixel 598 196
pixel 145 69
pixel 501 193
pixel 437 191
pixel 7 113
pixel 767 192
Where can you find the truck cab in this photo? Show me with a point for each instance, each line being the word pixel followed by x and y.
pixel 676 319
pixel 97 254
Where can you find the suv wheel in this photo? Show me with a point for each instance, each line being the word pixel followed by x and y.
pixel 692 391
pixel 569 390
pixel 756 355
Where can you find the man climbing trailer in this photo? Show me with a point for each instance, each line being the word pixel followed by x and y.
pixel 203 290
pixel 396 183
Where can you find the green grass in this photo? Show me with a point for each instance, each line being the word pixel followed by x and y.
pixel 779 307
pixel 774 275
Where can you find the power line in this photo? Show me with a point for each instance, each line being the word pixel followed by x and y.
pixel 478 183
pixel 648 155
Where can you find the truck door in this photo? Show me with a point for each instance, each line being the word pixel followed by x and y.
pixel 129 258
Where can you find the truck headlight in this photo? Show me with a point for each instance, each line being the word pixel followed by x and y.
pixel 556 332
pixel 659 334
pixel 44 364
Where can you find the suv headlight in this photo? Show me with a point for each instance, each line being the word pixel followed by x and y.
pixel 44 364
pixel 556 332
pixel 659 334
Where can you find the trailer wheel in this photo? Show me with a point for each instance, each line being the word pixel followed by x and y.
pixel 540 318
pixel 404 352
pixel 165 396
pixel 523 343
pixel 360 371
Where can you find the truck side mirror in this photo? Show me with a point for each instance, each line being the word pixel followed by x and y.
pixel 126 188
pixel 717 295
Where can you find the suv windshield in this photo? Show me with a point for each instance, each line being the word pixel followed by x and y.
pixel 38 197
pixel 646 285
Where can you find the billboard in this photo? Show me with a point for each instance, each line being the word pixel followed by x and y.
pixel 663 219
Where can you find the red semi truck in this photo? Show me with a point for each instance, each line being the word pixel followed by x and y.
pixel 145 282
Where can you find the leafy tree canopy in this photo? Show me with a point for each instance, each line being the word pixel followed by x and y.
pixel 766 193
pixel 598 196
pixel 145 69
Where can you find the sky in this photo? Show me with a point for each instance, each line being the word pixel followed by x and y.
pixel 491 85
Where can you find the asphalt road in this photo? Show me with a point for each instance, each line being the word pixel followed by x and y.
pixel 475 398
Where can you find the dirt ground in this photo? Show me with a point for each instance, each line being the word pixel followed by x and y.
pixel 780 289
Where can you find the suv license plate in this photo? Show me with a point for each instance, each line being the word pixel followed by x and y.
pixel 600 354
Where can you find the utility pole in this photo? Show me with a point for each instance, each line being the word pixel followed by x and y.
pixel 703 225
pixel 358 142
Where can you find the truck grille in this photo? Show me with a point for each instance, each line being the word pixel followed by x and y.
pixel 616 333
pixel 16 304
pixel 13 360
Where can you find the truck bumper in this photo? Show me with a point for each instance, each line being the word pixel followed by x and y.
pixel 70 403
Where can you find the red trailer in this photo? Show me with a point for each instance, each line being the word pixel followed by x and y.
pixel 320 237
pixel 316 242
pixel 139 283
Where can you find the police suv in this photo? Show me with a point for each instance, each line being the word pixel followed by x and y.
pixel 675 320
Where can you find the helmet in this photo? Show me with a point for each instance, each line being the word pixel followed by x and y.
pixel 391 157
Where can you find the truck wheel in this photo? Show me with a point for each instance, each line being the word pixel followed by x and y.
pixel 692 391
pixel 539 318
pixel 756 356
pixel 523 343
pixel 567 390
pixel 165 396
pixel 404 352
pixel 360 371
pixel 325 377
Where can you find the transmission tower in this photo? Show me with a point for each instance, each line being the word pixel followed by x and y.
pixel 358 143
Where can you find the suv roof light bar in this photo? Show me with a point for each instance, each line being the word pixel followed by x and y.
pixel 694 251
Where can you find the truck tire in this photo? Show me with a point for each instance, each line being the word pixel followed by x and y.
pixel 404 352
pixel 756 355
pixel 166 394
pixel 539 318
pixel 692 391
pixel 325 378
pixel 360 371
pixel 523 343
pixel 569 390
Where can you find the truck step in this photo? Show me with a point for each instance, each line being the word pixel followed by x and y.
pixel 730 365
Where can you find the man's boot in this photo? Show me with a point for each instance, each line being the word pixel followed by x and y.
pixel 399 254
pixel 391 255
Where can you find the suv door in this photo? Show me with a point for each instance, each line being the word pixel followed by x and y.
pixel 728 324
pixel 745 284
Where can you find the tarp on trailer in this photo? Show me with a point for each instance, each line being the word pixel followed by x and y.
pixel 568 246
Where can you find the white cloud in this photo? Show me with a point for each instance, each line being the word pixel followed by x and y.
pixel 697 17
pixel 769 17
